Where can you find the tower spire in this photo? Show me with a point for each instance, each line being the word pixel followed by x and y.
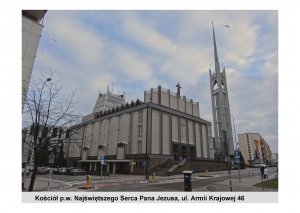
pixel 217 65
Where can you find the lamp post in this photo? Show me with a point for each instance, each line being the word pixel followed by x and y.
pixel 146 161
pixel 236 146
pixel 38 108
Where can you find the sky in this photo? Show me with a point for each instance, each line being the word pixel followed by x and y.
pixel 133 51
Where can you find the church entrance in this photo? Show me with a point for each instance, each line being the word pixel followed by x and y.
pixel 181 151
pixel 184 148
pixel 176 151
pixel 192 151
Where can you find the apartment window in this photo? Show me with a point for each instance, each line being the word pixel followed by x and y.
pixel 45 132
pixel 67 133
pixel 54 132
pixel 60 133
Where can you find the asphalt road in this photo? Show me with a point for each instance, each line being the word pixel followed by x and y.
pixel 154 187
pixel 131 183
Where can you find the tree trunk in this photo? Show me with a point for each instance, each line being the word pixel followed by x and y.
pixel 33 176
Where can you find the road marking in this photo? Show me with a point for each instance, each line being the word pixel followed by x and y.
pixel 69 182
pixel 52 180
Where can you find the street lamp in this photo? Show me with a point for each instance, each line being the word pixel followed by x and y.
pixel 146 161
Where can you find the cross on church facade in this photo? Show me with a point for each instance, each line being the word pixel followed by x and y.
pixel 178 89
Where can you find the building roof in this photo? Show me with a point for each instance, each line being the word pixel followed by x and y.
pixel 108 101
pixel 36 15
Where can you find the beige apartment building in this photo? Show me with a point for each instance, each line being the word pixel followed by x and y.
pixel 31 34
pixel 57 142
pixel 164 129
pixel 254 149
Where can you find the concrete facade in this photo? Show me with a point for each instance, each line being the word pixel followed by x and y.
pixel 31 33
pixel 138 131
pixel 254 148
pixel 171 100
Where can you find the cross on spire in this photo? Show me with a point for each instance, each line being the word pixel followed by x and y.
pixel 178 89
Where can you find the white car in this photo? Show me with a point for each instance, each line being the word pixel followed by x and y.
pixel 26 169
pixel 62 171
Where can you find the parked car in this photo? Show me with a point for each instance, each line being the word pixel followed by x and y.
pixel 43 170
pixel 26 170
pixel 68 170
pixel 30 168
pixel 62 171
pixel 78 172
pixel 234 167
pixel 55 171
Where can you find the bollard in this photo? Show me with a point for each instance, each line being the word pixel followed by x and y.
pixel 187 180
pixel 88 183
pixel 153 178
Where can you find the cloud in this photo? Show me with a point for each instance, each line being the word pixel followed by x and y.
pixel 137 50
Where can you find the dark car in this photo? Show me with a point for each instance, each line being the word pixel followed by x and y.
pixel 55 171
pixel 68 170
pixel 42 170
pixel 78 172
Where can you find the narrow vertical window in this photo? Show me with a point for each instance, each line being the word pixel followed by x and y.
pixel 139 147
pixel 140 118
pixel 140 131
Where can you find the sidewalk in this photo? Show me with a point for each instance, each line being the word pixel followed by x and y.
pixel 247 183
pixel 41 184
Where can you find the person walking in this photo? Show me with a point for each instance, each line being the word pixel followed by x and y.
pixel 262 168
pixel 266 173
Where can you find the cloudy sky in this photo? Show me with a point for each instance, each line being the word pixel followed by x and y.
pixel 139 50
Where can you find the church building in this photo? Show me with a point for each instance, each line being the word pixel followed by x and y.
pixel 160 134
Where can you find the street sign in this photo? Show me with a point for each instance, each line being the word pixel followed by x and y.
pixel 144 163
pixel 103 157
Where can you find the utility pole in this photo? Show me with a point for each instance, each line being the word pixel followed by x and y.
pixel 236 148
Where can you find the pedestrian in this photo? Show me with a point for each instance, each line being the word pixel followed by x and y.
pixel 266 173
pixel 262 168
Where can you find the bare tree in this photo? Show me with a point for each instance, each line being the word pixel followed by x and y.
pixel 44 110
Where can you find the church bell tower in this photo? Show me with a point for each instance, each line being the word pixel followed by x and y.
pixel 220 109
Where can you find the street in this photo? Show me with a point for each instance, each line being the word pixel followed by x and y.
pixel 122 183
